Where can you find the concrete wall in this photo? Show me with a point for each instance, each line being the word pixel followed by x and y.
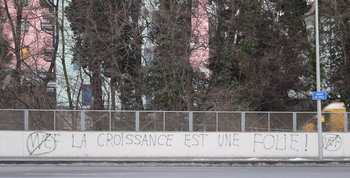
pixel 170 144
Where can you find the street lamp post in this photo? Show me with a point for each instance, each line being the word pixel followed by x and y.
pixel 318 85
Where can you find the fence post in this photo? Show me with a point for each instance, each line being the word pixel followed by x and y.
pixel 26 120
pixel 164 121
pixel 346 122
pixel 269 122
pixel 294 122
pixel 54 120
pixel 243 122
pixel 82 120
pixel 190 121
pixel 110 120
pixel 137 121
pixel 217 121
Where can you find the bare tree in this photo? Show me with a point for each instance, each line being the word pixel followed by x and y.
pixel 109 43
pixel 335 48
pixel 27 44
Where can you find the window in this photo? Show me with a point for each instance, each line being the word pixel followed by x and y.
pixel 25 26
pixel 76 65
pixel 24 52
pixel 86 95
pixel 51 87
pixel 48 17
pixel 148 56
pixel 48 53
pixel 76 62
pixel 47 27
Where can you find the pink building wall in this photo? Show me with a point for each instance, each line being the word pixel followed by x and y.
pixel 200 35
pixel 35 38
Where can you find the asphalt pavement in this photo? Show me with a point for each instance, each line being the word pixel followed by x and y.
pixel 104 170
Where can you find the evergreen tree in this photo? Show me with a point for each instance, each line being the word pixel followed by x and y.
pixel 170 77
pixel 109 45
pixel 259 52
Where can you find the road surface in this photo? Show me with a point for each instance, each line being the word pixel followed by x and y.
pixel 157 171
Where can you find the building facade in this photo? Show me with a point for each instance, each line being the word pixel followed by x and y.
pixel 28 26
pixel 200 36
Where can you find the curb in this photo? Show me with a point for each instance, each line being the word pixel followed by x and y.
pixel 185 161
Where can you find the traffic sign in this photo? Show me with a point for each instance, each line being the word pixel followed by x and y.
pixel 319 95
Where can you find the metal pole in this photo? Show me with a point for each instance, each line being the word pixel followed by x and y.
pixel 217 121
pixel 243 122
pixel 110 120
pixel 163 120
pixel 318 85
pixel 137 121
pixel 54 120
pixel 269 122
pixel 345 122
pixel 190 121
pixel 294 122
pixel 82 120
pixel 26 120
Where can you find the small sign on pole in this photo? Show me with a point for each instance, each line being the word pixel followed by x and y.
pixel 319 95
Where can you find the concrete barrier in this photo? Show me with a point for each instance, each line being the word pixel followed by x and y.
pixel 59 144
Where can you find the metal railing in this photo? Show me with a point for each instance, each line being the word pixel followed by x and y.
pixel 189 121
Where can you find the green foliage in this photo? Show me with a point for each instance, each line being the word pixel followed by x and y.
pixel 168 80
pixel 109 45
pixel 259 53
pixel 265 59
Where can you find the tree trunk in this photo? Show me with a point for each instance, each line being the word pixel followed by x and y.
pixel 113 83
pixel 189 89
pixel 63 59
pixel 135 14
pixel 96 86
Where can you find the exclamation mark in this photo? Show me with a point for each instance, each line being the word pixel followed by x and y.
pixel 305 142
